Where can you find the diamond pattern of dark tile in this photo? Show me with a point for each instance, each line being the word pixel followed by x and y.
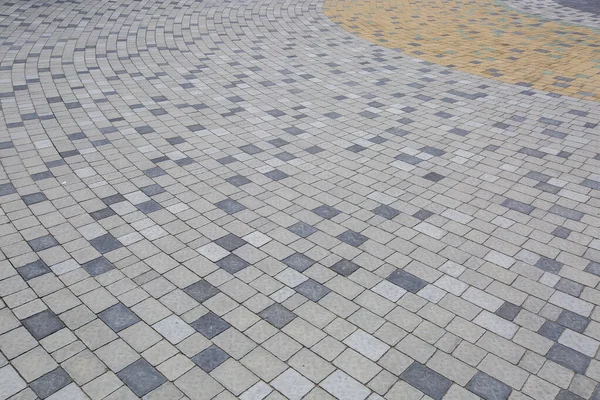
pixel 42 324
pixel 33 270
pixel 345 267
pixel 201 291
pixel 488 388
pixel 426 380
pixel 312 290
pixel 386 212
pixel 352 238
pixel 141 377
pixel 277 315
pixel 407 281
pixel 298 261
pixel 238 180
pixel 43 243
pixel 50 383
pixel 98 266
pixel 118 317
pixel 302 229
pixel 230 206
pixel 210 325
pixel 232 263
pixel 326 212
pixel 210 358
pixel 230 242
pixel 106 243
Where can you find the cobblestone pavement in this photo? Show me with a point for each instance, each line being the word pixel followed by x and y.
pixel 487 38
pixel 243 200
pixel 581 12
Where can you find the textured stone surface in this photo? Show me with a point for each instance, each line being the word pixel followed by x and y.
pixel 243 200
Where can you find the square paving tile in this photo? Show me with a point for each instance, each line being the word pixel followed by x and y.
pixel 326 212
pixel 232 263
pixel 118 317
pixel 201 291
pixel 345 267
pixel 106 243
pixel 210 358
pixel 210 325
pixel 51 383
pixel 352 238
pixel 302 229
pixel 33 269
pixel 141 377
pixel 298 261
pixel 43 243
pixel 426 380
pixel 407 281
pixel 277 315
pixel 312 289
pixel 42 324
pixel 230 206
pixel 98 266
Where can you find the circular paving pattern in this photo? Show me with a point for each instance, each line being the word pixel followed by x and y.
pixel 481 37
pixel 243 200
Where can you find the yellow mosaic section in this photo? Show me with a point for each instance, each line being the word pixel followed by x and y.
pixel 482 37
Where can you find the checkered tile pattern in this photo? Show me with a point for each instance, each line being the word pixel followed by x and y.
pixel 228 200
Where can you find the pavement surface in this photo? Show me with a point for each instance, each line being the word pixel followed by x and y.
pixel 278 199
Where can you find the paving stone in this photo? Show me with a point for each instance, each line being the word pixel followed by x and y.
pixel 210 325
pixel 312 289
pixel 232 263
pixel 33 269
pixel 201 291
pixel 488 388
pixel 43 324
pixel 568 358
pixel 141 377
pixel 98 266
pixel 298 261
pixel 277 315
pixel 426 380
pixel 105 243
pixel 407 281
pixel 43 243
pixel 118 317
pixel 301 229
pixel 345 267
pixel 50 383
pixel 326 212
pixel 352 238
pixel 210 358
pixel 10 382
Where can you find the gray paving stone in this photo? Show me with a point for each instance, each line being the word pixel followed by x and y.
pixel 141 377
pixel 106 243
pixel 386 211
pixel 230 206
pixel 326 212
pixel 43 243
pixel 568 358
pixel 98 266
pixel 201 291
pixel 118 317
pixel 42 324
pixel 352 238
pixel 345 267
pixel 488 388
pixel 210 325
pixel 33 269
pixel 210 358
pixel 406 281
pixel 312 290
pixel 34 198
pixel 298 261
pixel 551 330
pixel 426 380
pixel 232 263
pixel 277 315
pixel 301 229
pixel 50 383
